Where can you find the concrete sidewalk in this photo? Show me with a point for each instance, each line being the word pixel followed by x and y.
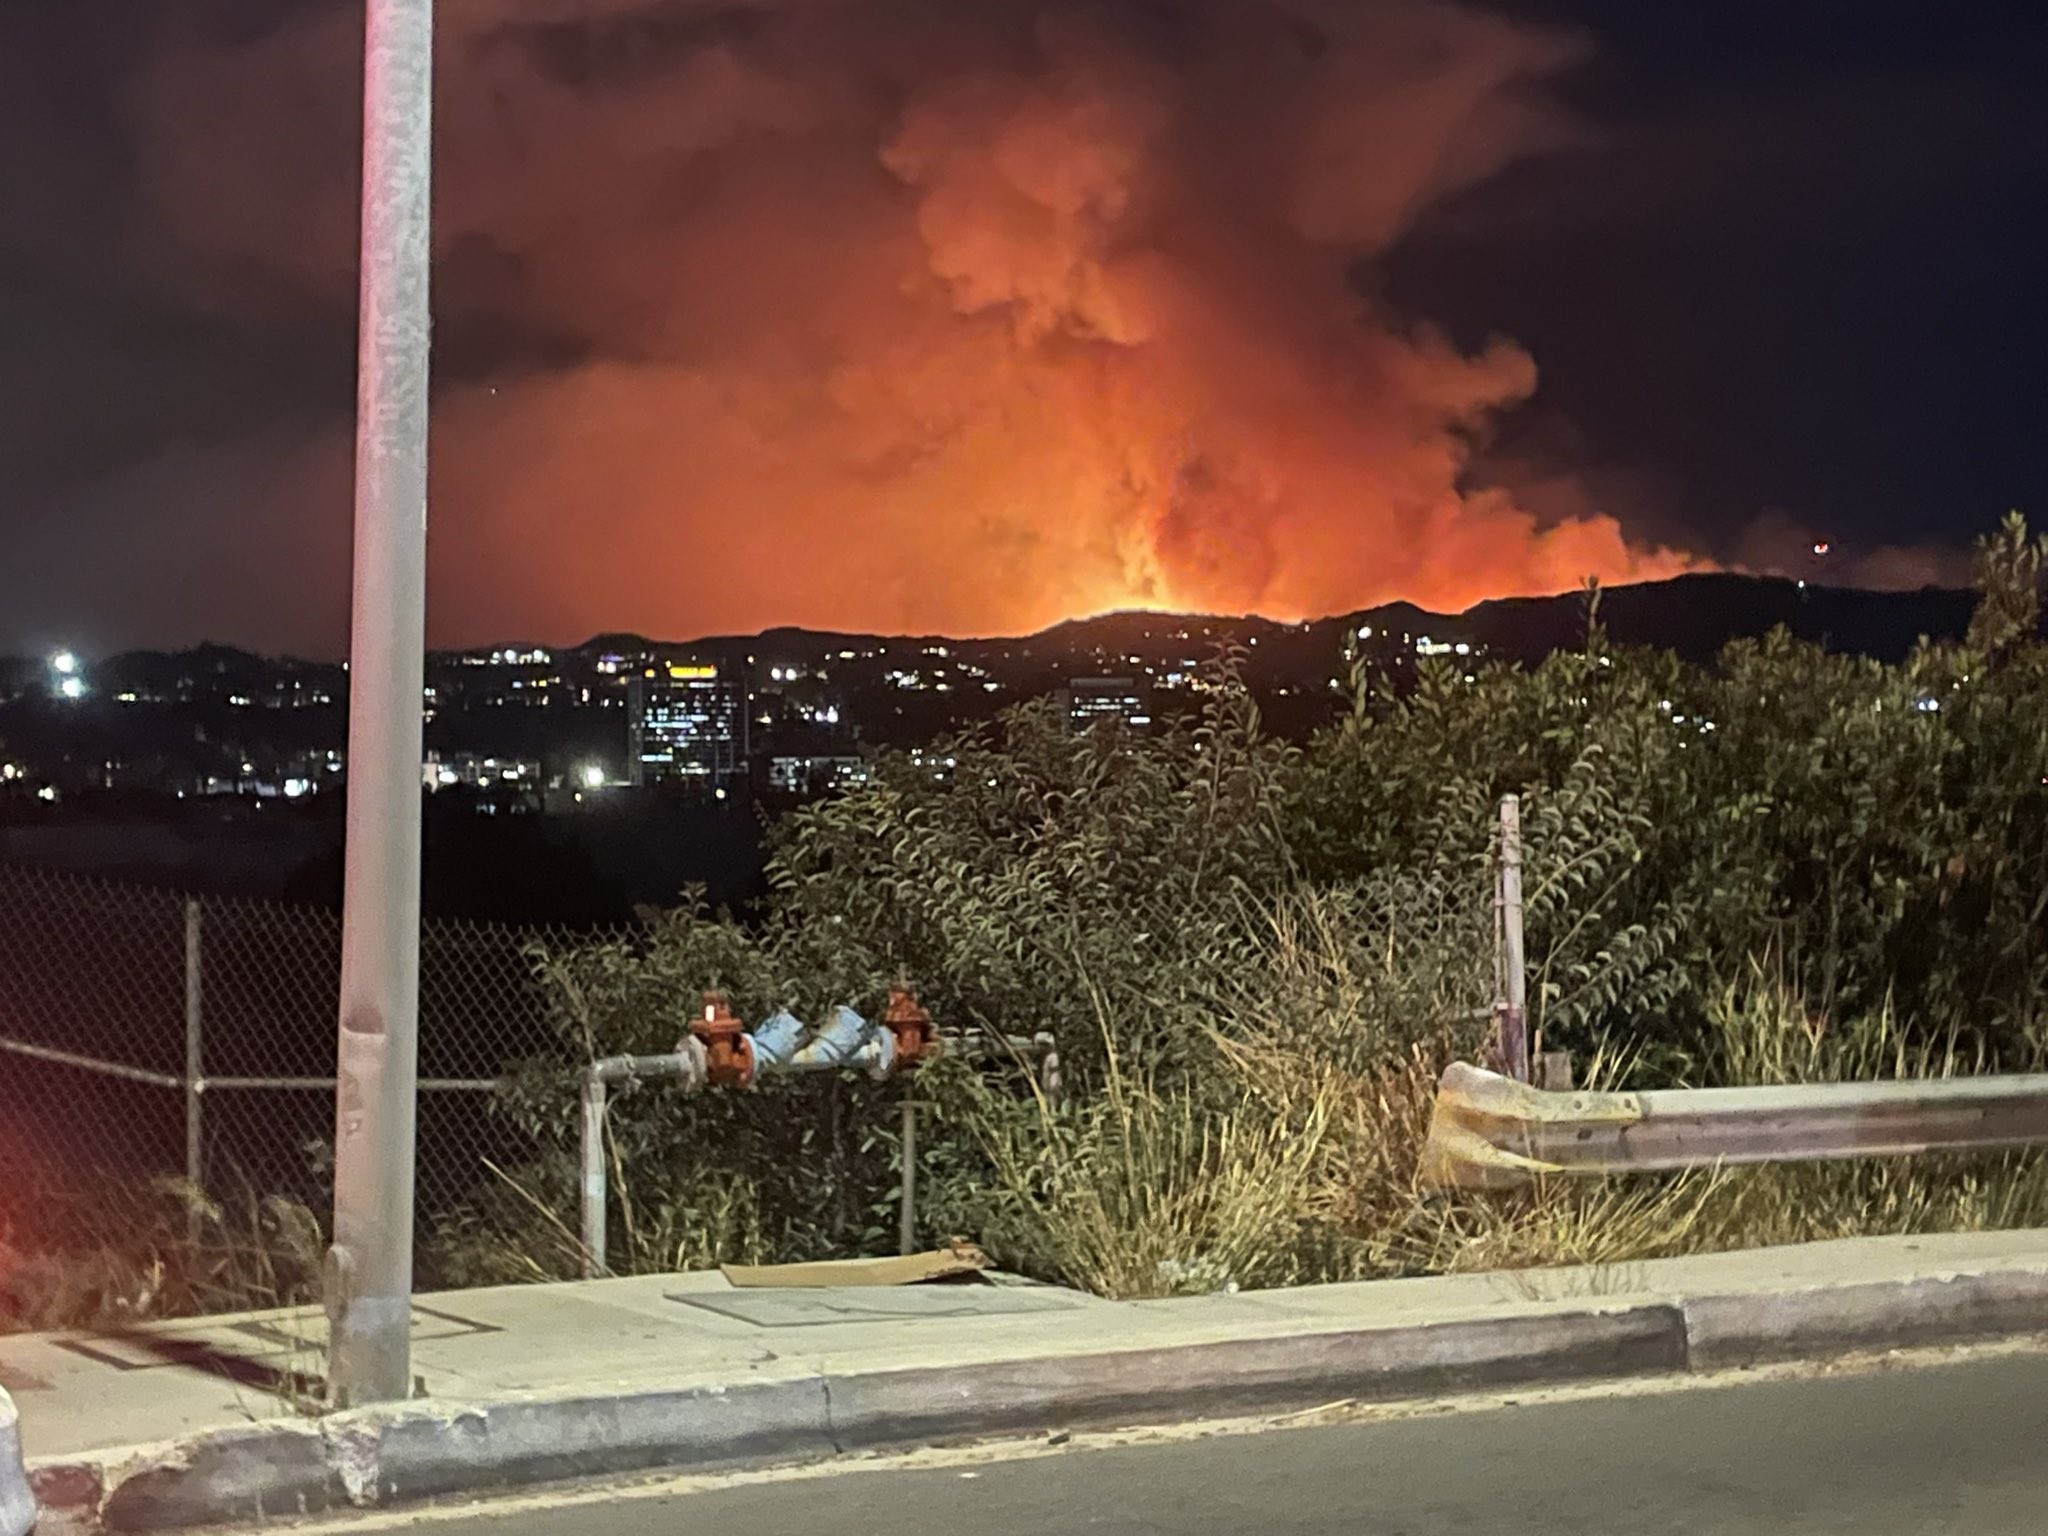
pixel 193 1422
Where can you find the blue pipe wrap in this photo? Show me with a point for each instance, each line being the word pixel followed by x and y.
pixel 776 1040
pixel 843 1033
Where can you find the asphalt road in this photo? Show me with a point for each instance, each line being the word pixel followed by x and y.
pixel 1956 1449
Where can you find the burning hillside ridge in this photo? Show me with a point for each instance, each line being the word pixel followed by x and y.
pixel 915 314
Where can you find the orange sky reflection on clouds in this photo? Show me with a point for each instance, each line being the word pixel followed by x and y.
pixel 921 316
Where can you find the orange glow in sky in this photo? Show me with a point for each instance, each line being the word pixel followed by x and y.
pixel 922 316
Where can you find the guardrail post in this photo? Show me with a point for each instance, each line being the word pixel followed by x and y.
pixel 195 1066
pixel 1513 956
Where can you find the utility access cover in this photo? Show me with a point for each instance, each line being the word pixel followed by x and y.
pixel 792 1308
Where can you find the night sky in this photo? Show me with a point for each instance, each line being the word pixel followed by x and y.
pixel 970 315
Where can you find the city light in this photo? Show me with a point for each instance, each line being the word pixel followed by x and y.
pixel 70 681
pixel 592 776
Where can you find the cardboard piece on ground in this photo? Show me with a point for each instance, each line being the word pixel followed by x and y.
pixel 959 1261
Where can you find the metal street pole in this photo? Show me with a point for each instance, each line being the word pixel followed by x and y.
pixel 369 1271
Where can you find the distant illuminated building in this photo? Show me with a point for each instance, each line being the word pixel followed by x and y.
pixel 474 770
pixel 815 774
pixel 1087 701
pixel 688 725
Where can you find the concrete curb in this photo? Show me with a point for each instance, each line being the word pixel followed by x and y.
pixel 385 1456
pixel 17 1504
pixel 388 1456
pixel 377 1457
pixel 1240 1376
pixel 1730 1331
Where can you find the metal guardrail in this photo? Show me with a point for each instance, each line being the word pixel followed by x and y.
pixel 1489 1131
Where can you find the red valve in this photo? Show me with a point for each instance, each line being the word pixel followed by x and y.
pixel 728 1053
pixel 907 1020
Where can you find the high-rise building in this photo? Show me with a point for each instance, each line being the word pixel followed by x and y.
pixel 688 725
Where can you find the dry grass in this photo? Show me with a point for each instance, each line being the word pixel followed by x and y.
pixel 1283 1149
pixel 1308 1175
pixel 1764 1034
pixel 1292 1155
pixel 1152 1193
pixel 520 1230
pixel 113 1258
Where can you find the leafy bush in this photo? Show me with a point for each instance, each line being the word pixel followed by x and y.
pixel 1256 958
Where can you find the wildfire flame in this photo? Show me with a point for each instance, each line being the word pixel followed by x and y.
pixel 920 315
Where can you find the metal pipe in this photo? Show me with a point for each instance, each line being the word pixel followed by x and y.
pixel 906 1225
pixel 1489 1131
pixel 206 1085
pixel 369 1278
pixel 1014 1047
pixel 847 1042
pixel 92 1064
pixel 1050 1081
pixel 327 1084
pixel 591 1190
pixel 594 1100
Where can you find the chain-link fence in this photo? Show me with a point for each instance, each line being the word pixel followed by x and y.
pixel 146 1034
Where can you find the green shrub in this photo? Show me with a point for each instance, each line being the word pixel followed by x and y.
pixel 1255 958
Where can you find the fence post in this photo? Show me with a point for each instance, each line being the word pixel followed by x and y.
pixel 1514 1000
pixel 195 1063
pixel 906 1235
